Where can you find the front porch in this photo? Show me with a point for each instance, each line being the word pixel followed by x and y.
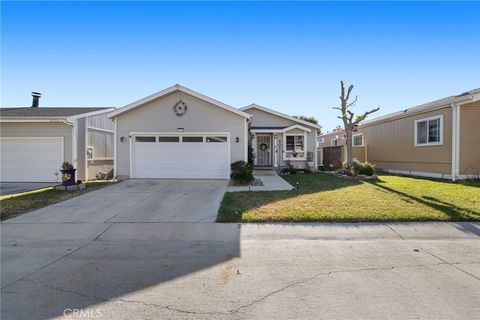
pixel 278 147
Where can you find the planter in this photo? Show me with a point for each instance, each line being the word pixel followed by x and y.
pixel 68 177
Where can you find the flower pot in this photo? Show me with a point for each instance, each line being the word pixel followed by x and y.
pixel 68 177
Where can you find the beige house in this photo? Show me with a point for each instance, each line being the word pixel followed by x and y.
pixel 278 139
pixel 180 133
pixel 35 141
pixel 438 139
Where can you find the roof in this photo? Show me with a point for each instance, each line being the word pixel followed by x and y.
pixel 47 112
pixel 279 114
pixel 440 103
pixel 183 89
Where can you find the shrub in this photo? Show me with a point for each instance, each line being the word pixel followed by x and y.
pixel 251 154
pixel 241 172
pixel 367 169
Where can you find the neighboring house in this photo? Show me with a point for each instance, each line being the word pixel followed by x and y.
pixel 35 141
pixel 439 139
pixel 278 139
pixel 180 133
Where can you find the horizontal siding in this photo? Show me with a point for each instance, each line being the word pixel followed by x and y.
pixel 158 116
pixel 470 139
pixel 41 130
pixel 266 119
pixel 358 153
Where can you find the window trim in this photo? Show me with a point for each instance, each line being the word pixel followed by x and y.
pixel 331 142
pixel 304 147
pixel 428 144
pixel 321 140
pixel 356 135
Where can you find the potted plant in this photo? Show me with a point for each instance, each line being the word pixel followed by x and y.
pixel 68 174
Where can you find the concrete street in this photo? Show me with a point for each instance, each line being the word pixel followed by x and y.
pixel 122 261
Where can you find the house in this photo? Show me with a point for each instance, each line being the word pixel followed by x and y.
pixel 35 141
pixel 439 139
pixel 180 133
pixel 278 139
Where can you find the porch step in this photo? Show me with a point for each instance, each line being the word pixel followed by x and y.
pixel 264 172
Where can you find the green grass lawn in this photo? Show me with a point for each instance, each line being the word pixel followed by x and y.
pixel 16 204
pixel 322 197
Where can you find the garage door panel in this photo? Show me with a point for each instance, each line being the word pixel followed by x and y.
pixel 30 159
pixel 180 160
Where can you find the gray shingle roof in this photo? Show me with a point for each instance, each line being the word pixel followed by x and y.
pixel 46 111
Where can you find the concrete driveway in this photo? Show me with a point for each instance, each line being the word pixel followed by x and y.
pixel 16 187
pixel 126 252
pixel 139 200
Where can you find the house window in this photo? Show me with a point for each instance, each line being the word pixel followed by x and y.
pixel 192 139
pixel 321 140
pixel 216 139
pixel 144 139
pixel 429 131
pixel 334 142
pixel 168 139
pixel 357 140
pixel 295 146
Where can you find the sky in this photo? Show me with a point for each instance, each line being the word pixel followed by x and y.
pixel 289 56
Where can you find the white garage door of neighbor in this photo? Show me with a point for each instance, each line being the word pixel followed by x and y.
pixel 30 159
pixel 180 156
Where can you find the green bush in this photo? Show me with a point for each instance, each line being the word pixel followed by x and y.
pixel 241 172
pixel 367 169
pixel 251 154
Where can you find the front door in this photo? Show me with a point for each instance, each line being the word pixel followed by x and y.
pixel 264 150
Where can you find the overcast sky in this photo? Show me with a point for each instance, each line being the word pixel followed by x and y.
pixel 286 56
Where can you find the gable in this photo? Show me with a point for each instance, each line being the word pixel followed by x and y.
pixel 177 88
pixel 261 118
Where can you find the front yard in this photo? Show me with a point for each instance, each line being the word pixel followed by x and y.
pixel 322 197
pixel 14 205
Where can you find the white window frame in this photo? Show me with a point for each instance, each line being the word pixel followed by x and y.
pixel 428 144
pixel 285 135
pixel 353 139
pixel 321 140
pixel 331 142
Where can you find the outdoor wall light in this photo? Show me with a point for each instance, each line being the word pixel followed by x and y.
pixel 237 139
pixel 121 139
pixel 180 130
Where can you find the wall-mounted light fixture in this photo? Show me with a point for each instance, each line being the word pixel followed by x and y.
pixel 237 139
pixel 180 130
pixel 121 139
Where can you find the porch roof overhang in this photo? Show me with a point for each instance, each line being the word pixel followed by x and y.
pixel 278 129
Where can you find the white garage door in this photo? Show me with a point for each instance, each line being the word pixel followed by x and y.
pixel 30 159
pixel 180 156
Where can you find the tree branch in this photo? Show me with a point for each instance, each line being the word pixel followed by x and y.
pixel 349 91
pixel 353 103
pixel 362 117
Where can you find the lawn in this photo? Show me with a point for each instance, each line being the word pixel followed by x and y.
pixel 322 197
pixel 14 205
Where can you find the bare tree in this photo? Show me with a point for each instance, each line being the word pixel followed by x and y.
pixel 349 123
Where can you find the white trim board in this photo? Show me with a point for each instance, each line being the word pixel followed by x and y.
pixel 183 89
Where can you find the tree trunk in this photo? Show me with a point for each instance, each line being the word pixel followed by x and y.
pixel 349 146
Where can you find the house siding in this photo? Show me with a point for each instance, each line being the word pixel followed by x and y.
pixel 158 116
pixel 391 145
pixel 470 139
pixel 261 118
pixel 31 129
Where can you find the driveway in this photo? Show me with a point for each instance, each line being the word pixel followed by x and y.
pixel 16 187
pixel 139 200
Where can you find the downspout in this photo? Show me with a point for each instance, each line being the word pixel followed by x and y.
pixel 454 141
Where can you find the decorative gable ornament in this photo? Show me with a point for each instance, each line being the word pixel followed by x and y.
pixel 180 108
